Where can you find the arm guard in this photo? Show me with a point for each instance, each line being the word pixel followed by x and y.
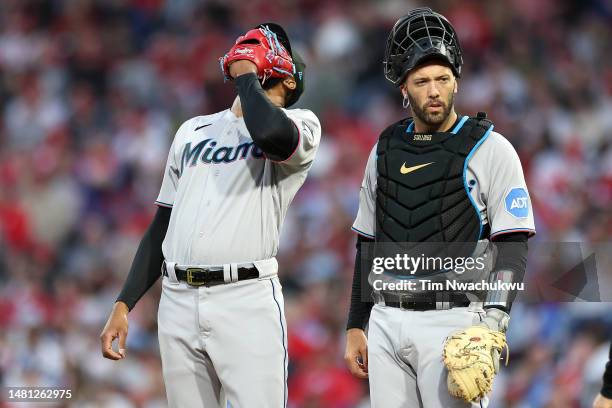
pixel 272 131
pixel 146 267
pixel 361 306
pixel 509 268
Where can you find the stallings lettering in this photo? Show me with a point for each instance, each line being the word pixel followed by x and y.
pixel 422 138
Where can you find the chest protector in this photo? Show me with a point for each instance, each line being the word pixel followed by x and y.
pixel 422 193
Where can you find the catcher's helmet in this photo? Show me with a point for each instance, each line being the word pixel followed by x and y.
pixel 419 36
pixel 298 75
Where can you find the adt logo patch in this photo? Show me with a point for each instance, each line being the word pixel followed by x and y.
pixel 517 202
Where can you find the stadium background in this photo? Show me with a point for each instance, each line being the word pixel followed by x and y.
pixel 91 92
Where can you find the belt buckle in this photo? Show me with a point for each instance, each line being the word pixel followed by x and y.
pixel 403 300
pixel 190 272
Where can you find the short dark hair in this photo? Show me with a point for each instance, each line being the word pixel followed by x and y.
pixel 272 82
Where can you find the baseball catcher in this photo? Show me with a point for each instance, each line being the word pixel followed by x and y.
pixel 436 182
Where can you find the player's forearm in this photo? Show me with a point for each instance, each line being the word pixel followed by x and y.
pixel 271 130
pixel 606 390
pixel 509 267
pixel 146 267
pixel 361 307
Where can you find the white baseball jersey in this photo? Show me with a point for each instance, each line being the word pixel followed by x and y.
pixel 496 182
pixel 229 201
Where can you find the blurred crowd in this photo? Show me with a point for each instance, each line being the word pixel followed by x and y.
pixel 92 91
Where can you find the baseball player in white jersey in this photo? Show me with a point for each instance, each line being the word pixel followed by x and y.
pixel 435 177
pixel 229 180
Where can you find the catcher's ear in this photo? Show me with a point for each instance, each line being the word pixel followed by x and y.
pixel 290 83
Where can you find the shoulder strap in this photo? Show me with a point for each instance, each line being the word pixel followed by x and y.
pixel 392 127
pixel 482 123
pixel 388 132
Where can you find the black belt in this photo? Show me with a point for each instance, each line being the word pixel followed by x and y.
pixel 207 277
pixel 424 303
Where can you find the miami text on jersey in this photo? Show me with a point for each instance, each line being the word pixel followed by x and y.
pixel 207 152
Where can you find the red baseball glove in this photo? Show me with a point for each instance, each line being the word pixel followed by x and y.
pixel 260 46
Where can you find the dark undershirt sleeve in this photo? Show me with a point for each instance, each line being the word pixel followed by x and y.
pixel 606 390
pixel 511 256
pixel 272 131
pixel 146 267
pixel 361 299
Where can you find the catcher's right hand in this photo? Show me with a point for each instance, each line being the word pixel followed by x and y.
pixel 472 359
pixel 261 47
pixel 356 354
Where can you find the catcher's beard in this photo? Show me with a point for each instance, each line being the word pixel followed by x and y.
pixel 432 119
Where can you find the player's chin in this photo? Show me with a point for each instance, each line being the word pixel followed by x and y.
pixel 435 118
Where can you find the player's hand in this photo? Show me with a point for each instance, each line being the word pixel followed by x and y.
pixel 241 67
pixel 116 327
pixel 602 402
pixel 259 46
pixel 356 354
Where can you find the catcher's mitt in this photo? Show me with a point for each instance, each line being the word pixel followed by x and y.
pixel 472 359
pixel 261 47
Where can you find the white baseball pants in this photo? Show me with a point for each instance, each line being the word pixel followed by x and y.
pixel 226 343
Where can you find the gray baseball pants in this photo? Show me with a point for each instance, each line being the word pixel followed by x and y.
pixel 405 356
